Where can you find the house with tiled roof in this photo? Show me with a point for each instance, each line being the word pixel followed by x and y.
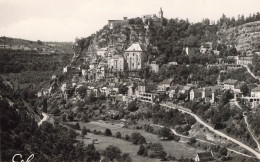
pixel 245 60
pixel 255 92
pixel 207 93
pixel 164 85
pixel 230 84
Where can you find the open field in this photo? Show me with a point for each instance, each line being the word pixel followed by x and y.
pixel 126 147
pixel 173 148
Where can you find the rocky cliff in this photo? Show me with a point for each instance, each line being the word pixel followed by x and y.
pixel 245 37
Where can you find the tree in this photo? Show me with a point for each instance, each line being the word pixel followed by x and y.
pixel 39 42
pixel 64 117
pixel 244 89
pixel 108 132
pixel 164 22
pixel 165 133
pixel 71 116
pixel 82 91
pixel 92 97
pixel 84 131
pixel 112 152
pixel 156 147
pixel 91 153
pixel 118 135
pixel 141 150
pixel 77 126
pixel 137 138
pixel 192 140
pixel 84 118
pixel 122 89
pixel 132 106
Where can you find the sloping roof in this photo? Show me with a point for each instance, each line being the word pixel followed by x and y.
pixel 238 86
pixel 256 89
pixel 167 81
pixel 231 81
pixel 186 88
pixel 135 47
pixel 205 156
pixel 246 58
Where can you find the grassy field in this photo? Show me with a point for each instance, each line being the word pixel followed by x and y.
pixel 124 146
pixel 173 148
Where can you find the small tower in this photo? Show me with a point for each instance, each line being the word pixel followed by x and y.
pixel 160 13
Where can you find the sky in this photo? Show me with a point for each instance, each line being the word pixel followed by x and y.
pixel 64 20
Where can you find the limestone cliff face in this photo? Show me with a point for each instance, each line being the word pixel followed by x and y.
pixel 245 37
pixel 120 37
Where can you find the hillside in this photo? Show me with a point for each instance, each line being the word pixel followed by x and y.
pixel 245 37
pixel 17 44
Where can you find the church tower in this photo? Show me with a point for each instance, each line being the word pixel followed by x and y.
pixel 160 13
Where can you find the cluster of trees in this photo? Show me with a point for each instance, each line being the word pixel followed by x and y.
pixel 168 118
pixel 256 65
pixel 155 150
pixel 183 74
pixel 254 120
pixel 20 133
pixel 113 153
pixel 240 75
pixel 227 22
pixel 16 62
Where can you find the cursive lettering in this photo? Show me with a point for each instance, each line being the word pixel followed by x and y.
pixel 28 159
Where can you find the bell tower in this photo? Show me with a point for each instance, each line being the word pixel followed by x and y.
pixel 160 13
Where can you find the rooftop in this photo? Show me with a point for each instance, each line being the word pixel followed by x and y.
pixel 231 81
pixel 167 81
pixel 256 89
pixel 135 47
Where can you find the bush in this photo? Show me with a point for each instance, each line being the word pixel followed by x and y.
pixel 76 126
pixel 132 106
pixel 137 138
pixel 118 135
pixel 108 132
pixel 84 131
pixel 127 137
pixel 141 150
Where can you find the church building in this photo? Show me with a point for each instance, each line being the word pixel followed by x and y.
pixel 135 57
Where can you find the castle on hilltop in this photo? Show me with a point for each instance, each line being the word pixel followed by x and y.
pixel 156 20
pixel 154 17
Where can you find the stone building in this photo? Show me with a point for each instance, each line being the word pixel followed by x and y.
pixel 116 63
pixel 135 57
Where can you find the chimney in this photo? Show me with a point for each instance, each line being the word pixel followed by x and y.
pixel 125 18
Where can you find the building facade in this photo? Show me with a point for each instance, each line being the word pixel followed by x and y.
pixel 135 57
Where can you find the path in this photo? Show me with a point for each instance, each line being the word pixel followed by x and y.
pixel 215 131
pixel 248 126
pixel 218 132
pixel 251 73
pixel 45 117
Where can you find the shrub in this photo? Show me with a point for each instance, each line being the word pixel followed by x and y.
pixel 118 135
pixel 108 132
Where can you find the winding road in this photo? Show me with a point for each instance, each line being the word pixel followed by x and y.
pixel 213 130
pixel 217 132
pixel 251 73
pixel 180 135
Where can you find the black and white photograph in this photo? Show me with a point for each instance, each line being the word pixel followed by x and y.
pixel 130 80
